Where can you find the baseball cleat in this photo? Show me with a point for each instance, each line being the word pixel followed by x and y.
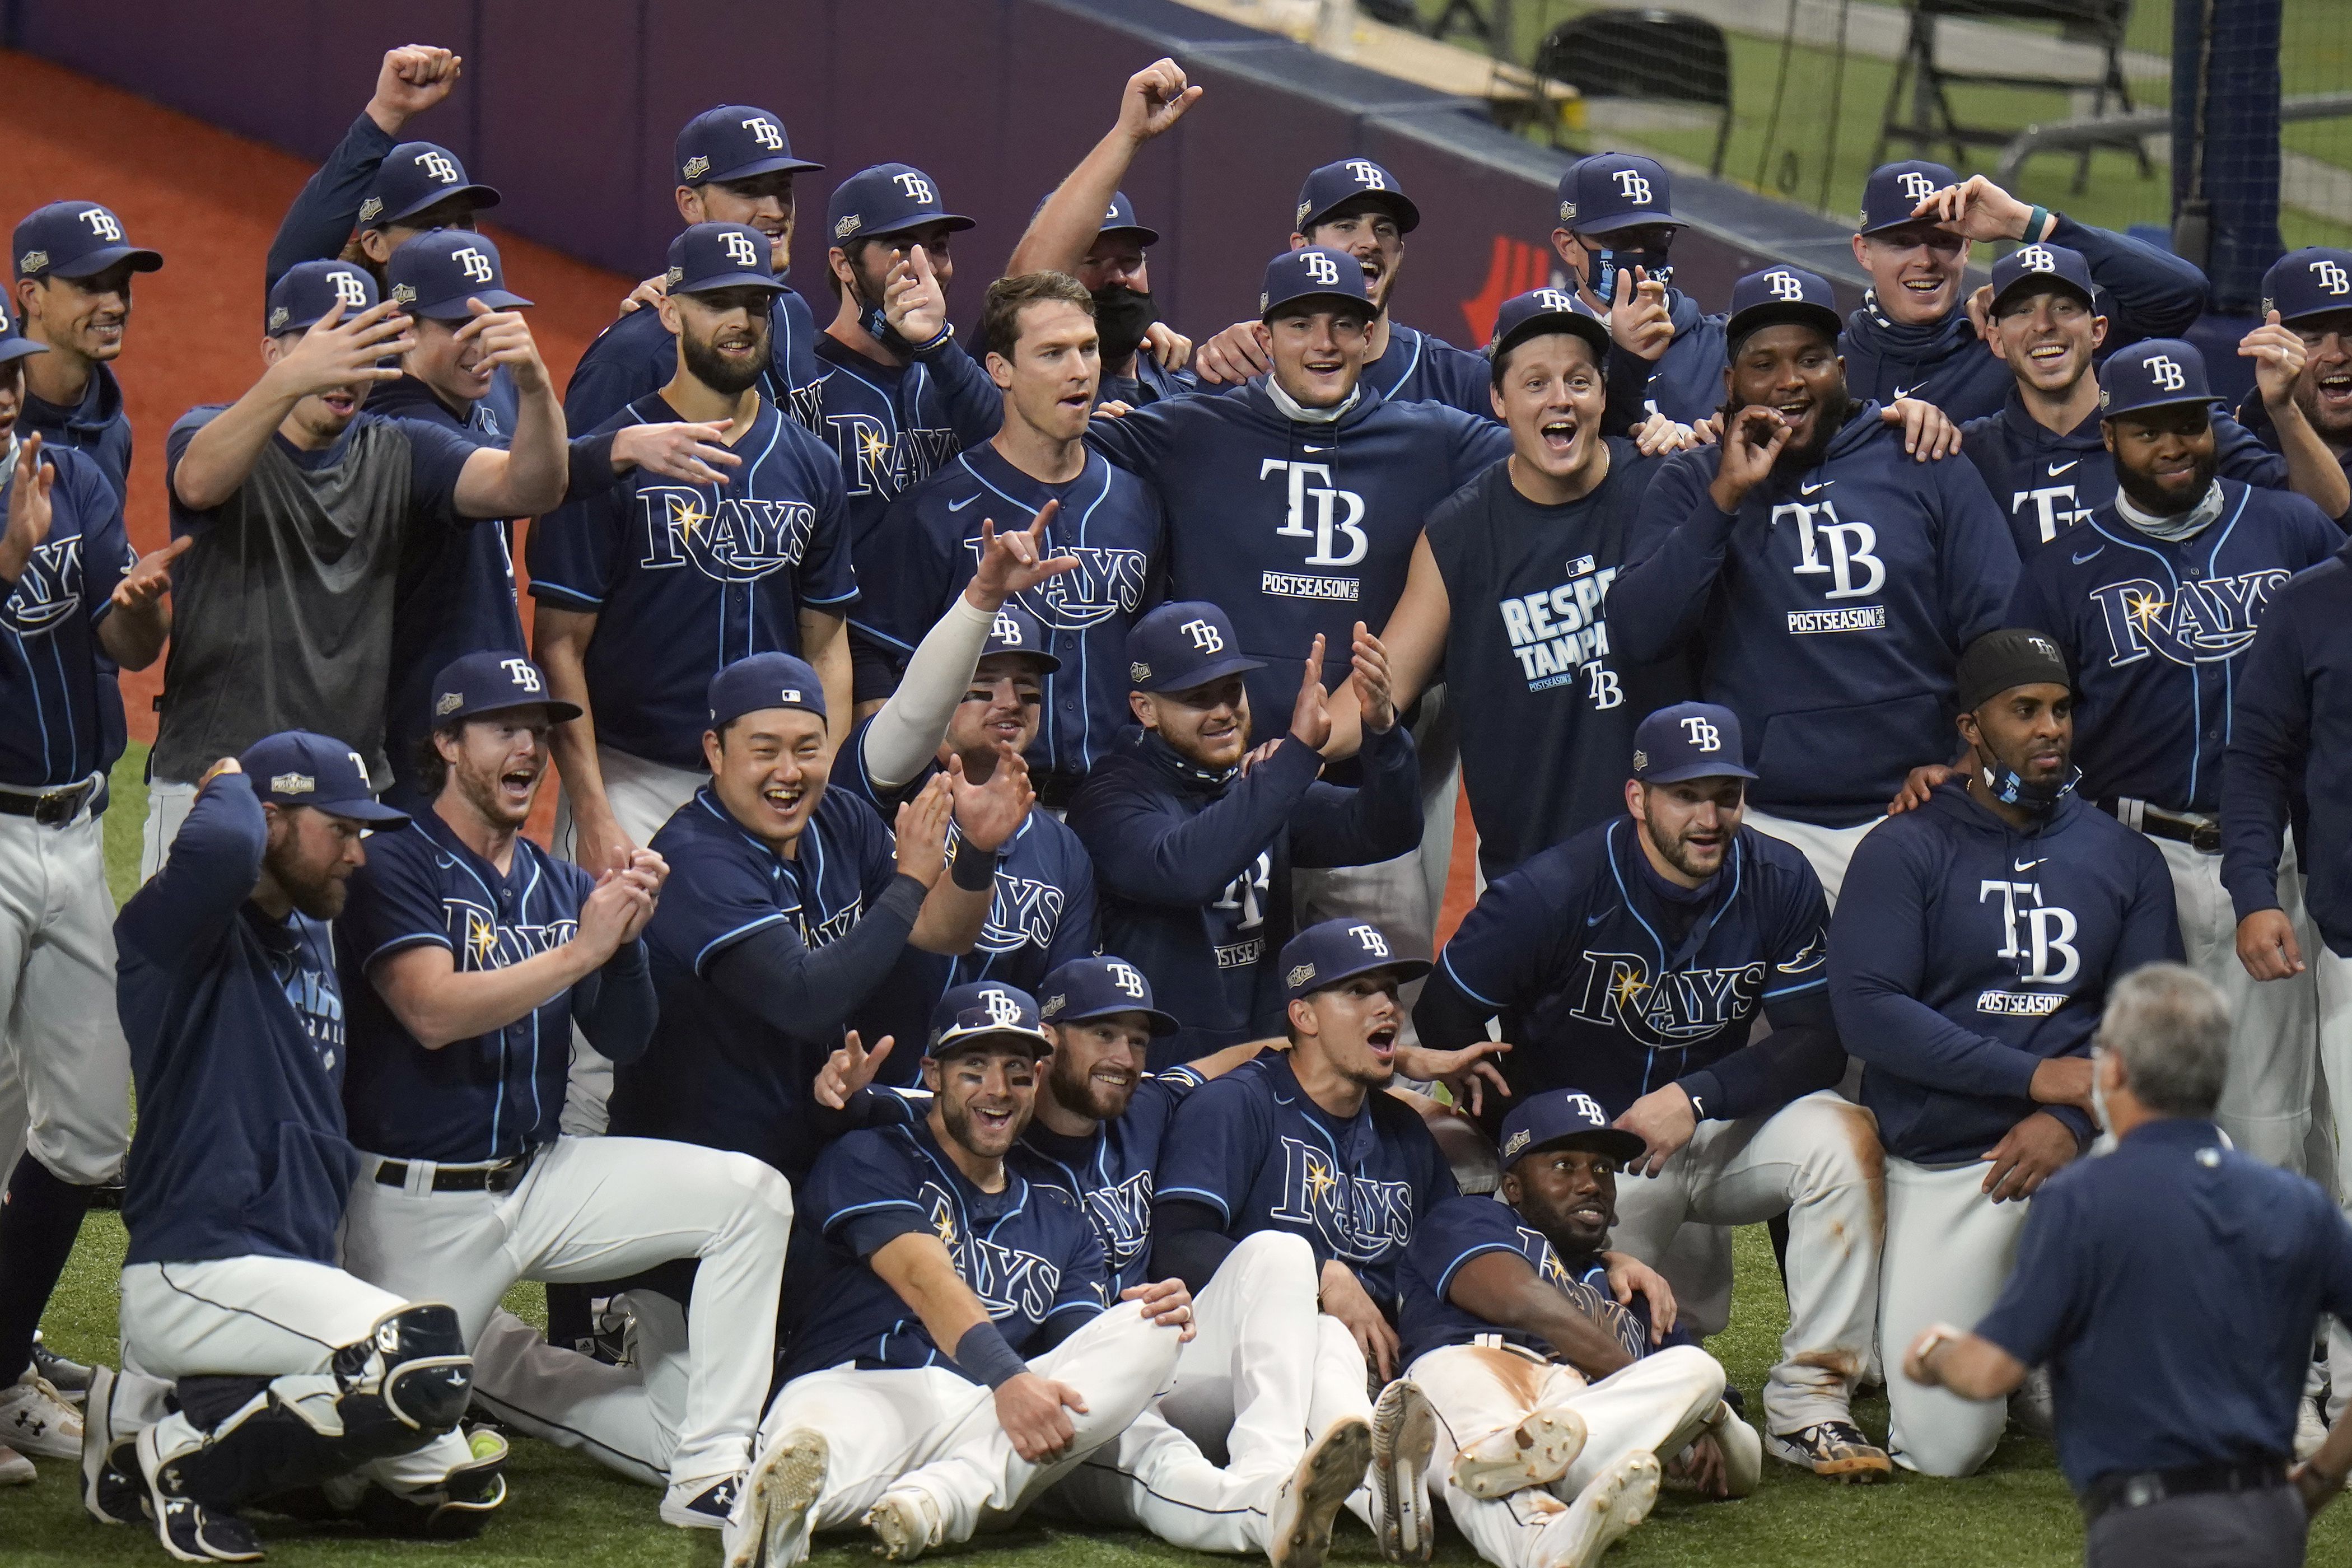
pixel 1298 1525
pixel 112 1490
pixel 702 1504
pixel 1603 1513
pixel 772 1525
pixel 15 1470
pixel 33 1420
pixel 1834 1448
pixel 69 1378
pixel 1405 1432
pixel 2310 1429
pixel 1535 1453
pixel 906 1524
pixel 189 1530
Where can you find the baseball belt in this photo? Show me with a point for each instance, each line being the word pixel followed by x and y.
pixel 49 807
pixel 2200 830
pixel 2139 1489
pixel 491 1176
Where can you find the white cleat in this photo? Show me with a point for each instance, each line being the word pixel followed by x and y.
pixel 34 1420
pixel 1405 1432
pixel 1603 1513
pixel 2310 1429
pixel 1535 1453
pixel 772 1523
pixel 906 1524
pixel 1298 1525
pixel 15 1470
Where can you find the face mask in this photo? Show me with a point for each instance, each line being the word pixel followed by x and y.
pixel 876 324
pixel 1607 264
pixel 1122 316
pixel 2010 788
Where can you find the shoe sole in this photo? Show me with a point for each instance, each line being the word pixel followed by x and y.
pixel 784 1485
pixel 1325 1478
pixel 1860 1470
pixel 900 1526
pixel 1405 1432
pixel 150 1461
pixel 1620 1498
pixel 1535 1453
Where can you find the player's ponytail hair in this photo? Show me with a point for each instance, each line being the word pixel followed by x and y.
pixel 2171 1026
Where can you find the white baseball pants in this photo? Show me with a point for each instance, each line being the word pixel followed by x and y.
pixel 1949 1250
pixel 591 1209
pixel 930 1430
pixel 643 796
pixel 1658 1403
pixel 2334 988
pixel 65 1070
pixel 1827 850
pixel 168 805
pixel 1816 1160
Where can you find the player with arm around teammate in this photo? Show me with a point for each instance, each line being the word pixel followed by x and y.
pixel 1558 1406
pixel 1630 963
pixel 964 1349
pixel 1969 963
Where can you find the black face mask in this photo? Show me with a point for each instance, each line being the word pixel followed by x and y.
pixel 1608 263
pixel 2010 788
pixel 876 323
pixel 1122 315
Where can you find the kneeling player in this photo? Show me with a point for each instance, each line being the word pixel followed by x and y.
pixel 1554 1401
pixel 290 1371
pixel 946 1275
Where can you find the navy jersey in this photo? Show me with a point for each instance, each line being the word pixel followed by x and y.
pixel 1027 1253
pixel 1109 1172
pixel 2156 633
pixel 1151 382
pixel 1613 980
pixel 1828 614
pixel 64 709
pixel 2047 482
pixel 637 356
pixel 716 1073
pixel 1422 367
pixel 1109 519
pixel 1295 529
pixel 235 1025
pixel 1964 953
pixel 1460 1229
pixel 497 1094
pixel 686 579
pixel 1255 1149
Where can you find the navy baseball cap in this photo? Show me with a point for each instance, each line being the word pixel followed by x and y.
pixel 1895 191
pixel 2153 373
pixel 14 343
pixel 310 289
pixel 1334 185
pixel 734 142
pixel 415 175
pixel 984 1012
pixel 1121 219
pixel 491 681
pixel 299 768
pixel 1689 741
pixel 713 256
pixel 1565 1116
pixel 2042 267
pixel 762 681
pixel 1336 950
pixel 435 274
pixel 1087 988
pixel 1183 644
pixel 1523 316
pixel 2314 281
pixel 74 239
pixel 1779 296
pixel 1313 273
pixel 1015 630
pixel 1609 191
pixel 888 198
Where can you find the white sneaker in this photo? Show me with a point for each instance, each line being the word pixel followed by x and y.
pixel 2310 1428
pixel 1298 1524
pixel 1404 1431
pixel 905 1522
pixel 15 1470
pixel 1535 1453
pixel 33 1420
pixel 704 1504
pixel 1603 1513
pixel 771 1525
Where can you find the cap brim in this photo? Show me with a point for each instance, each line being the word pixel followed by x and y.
pixel 1614 1141
pixel 1163 1023
pixel 101 259
pixel 2042 281
pixel 1400 205
pixel 1142 235
pixel 371 811
pixel 1616 221
pixel 760 166
pixel 558 711
pixel 954 223
pixel 1406 970
pixel 1782 313
pixel 2207 399
pixel 1594 333
pixel 1046 663
pixel 483 196
pixel 1278 306
pixel 715 281
pixel 455 310
pixel 954 1041
pixel 1216 670
pixel 20 348
pixel 1698 770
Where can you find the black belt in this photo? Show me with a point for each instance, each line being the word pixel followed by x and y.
pixel 51 808
pixel 2139 1489
pixel 499 1177
pixel 2199 831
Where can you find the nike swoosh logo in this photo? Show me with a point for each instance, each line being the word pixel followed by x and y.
pixel 960 505
pixel 1319 448
pixel 2088 554
pixel 2027 865
pixel 1809 489
pixel 1596 920
pixel 1901 393
pixel 2058 468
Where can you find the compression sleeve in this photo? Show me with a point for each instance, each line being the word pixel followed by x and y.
pixel 1188 1242
pixel 810 992
pixel 906 734
pixel 614 1006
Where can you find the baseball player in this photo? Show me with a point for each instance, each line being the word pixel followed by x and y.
pixel 1915 335
pixel 1629 963
pixel 299 503
pixel 2182 565
pixel 1616 225
pixel 1358 209
pixel 285 1371
pixel 1968 960
pixel 1194 834
pixel 2310 292
pixel 1040 353
pixel 2044 455
pixel 73 270
pixel 1832 640
pixel 1309 1141
pixel 1088 228
pixel 76 591
pixel 735 164
pixel 1542 702
pixel 1556 1404
pixel 962 1350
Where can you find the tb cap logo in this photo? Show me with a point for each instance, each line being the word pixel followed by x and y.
pixel 1129 981
pixel 1003 1010
pixel 1369 939
pixel 739 249
pixel 438 166
pixel 101 224
pixel 1205 638
pixel 519 672
pixel 1787 284
pixel 1369 175
pixel 2331 275
pixel 473 263
pixel 765 131
pixel 1917 186
pixel 1321 267
pixel 916 188
pixel 1632 185
pixel 2166 372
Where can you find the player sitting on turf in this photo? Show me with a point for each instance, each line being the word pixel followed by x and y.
pixel 986 1357
pixel 1556 1404
pixel 1632 963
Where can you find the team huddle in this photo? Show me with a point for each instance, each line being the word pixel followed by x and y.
pixel 974 1043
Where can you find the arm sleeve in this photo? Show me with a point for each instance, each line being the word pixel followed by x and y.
pixel 614 1008
pixel 1188 1242
pixel 2045 1302
pixel 2155 293
pixel 2269 735
pixel 974 406
pixel 394 902
pixel 2238 455
pixel 589 464
pixel 1378 820
pixel 1502 951
pixel 1674 559
pixel 1979 554
pixel 1480 441
pixel 215 859
pixel 1445 1018
pixel 812 991
pixel 1145 849
pixel 863 1194
pixel 319 224
pixel 905 735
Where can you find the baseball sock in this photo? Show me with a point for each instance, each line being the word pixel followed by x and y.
pixel 39 1218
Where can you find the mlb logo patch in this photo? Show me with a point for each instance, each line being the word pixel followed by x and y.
pixel 450 702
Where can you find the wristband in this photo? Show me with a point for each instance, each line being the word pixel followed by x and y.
pixel 973 869
pixel 2034 220
pixel 946 334
pixel 983 1356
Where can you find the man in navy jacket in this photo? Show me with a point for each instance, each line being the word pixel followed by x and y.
pixel 1969 961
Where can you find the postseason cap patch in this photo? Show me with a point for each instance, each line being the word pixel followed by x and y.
pixel 292 784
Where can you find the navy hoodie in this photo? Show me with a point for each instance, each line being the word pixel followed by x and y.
pixel 1828 614
pixel 2291 736
pixel 1686 383
pixel 1964 953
